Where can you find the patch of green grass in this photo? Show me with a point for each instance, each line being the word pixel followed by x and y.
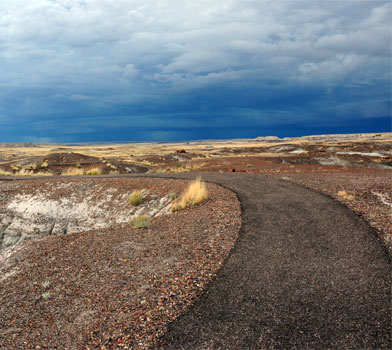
pixel 141 221
pixel 136 198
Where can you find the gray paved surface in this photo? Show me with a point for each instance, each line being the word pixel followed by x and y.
pixel 306 273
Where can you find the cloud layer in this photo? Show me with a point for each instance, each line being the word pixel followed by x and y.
pixel 74 70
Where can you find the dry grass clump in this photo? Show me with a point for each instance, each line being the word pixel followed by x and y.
pixel 136 198
pixel 345 195
pixel 30 167
pixel 72 172
pixel 5 173
pixel 141 221
pixel 44 165
pixel 195 193
pixel 24 172
pixel 16 167
pixel 179 168
pixel 111 166
pixel 94 171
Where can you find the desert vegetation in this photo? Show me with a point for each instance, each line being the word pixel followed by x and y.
pixel 195 193
pixel 136 198
pixel 141 221
pixel 94 171
pixel 23 172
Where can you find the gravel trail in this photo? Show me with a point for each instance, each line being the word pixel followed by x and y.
pixel 306 273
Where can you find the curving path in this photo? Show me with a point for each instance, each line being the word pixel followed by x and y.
pixel 306 273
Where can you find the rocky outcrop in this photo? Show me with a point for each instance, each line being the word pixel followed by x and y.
pixel 30 215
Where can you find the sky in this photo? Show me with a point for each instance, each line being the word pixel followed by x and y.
pixel 174 70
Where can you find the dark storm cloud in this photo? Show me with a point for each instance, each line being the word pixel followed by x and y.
pixel 74 70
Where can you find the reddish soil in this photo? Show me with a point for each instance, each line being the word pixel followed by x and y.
pixel 116 287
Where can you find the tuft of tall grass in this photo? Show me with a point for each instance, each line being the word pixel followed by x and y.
pixel 141 221
pixel 5 173
pixel 94 171
pixel 195 193
pixel 24 172
pixel 136 198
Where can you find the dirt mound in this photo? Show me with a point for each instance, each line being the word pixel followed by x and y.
pixel 70 159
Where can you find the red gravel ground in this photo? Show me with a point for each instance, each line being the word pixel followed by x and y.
pixel 119 287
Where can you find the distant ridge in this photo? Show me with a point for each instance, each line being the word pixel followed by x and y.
pixel 328 137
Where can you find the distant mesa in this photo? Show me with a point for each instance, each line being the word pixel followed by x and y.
pixel 268 138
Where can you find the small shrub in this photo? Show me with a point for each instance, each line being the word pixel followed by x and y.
pixel 345 195
pixel 44 165
pixel 16 167
pixel 30 167
pixel 46 295
pixel 141 221
pixel 78 165
pixel 111 166
pixel 45 284
pixel 94 171
pixel 342 193
pixel 24 172
pixel 195 193
pixel 136 198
